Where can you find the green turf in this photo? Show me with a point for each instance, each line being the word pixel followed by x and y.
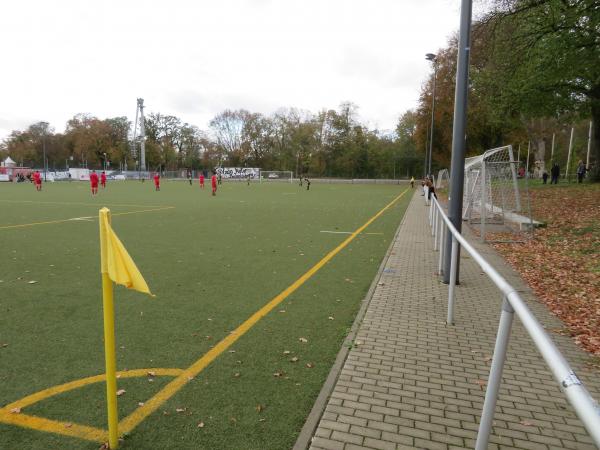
pixel 212 262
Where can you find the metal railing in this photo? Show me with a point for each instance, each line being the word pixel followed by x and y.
pixel 578 396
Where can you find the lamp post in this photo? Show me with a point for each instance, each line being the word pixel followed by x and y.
pixel 457 166
pixel 432 57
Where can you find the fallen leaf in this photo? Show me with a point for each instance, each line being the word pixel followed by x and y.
pixel 282 310
pixel 262 419
pixel 32 282
pixel 4 345
pixel 140 403
pixel 231 351
pixel 303 340
pixel 15 411
pixel 278 374
pixel 481 383
pixel 259 408
pixel 330 318
pixel 286 352
pixel 180 410
pixel 526 423
pixel 236 375
pixel 151 373
pixel 200 424
pixel 294 359
pixel 120 392
pixel 68 425
pixel 310 365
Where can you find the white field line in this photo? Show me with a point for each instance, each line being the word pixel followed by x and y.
pixel 88 218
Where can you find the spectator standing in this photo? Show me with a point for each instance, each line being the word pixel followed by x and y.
pixel 581 169
pixel 555 172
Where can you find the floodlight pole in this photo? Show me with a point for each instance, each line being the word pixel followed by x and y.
pixel 569 155
pixel 587 159
pixel 44 148
pixel 457 167
pixel 140 102
pixel 527 162
pixel 552 150
pixel 432 57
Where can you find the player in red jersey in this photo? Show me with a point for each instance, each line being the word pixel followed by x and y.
pixel 213 182
pixel 94 182
pixel 202 180
pixel 156 182
pixel 103 179
pixel 37 180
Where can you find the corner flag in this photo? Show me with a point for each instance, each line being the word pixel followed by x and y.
pixel 114 259
pixel 115 265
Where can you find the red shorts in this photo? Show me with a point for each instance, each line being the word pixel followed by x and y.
pixel 94 185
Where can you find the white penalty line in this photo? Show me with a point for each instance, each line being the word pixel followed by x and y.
pixel 344 232
pixel 88 218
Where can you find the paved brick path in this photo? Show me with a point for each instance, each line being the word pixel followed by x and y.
pixel 410 381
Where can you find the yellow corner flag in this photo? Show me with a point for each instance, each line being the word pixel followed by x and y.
pixel 115 265
pixel 114 259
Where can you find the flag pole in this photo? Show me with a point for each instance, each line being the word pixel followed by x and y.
pixel 109 339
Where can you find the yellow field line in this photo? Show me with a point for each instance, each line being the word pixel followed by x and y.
pixel 135 418
pixel 23 225
pixel 53 426
pixel 81 203
pixel 69 428
pixel 47 393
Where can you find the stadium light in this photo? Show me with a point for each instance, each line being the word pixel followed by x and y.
pixel 432 57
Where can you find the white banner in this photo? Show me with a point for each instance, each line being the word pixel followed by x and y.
pixel 238 172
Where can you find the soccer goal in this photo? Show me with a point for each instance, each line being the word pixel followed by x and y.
pixel 285 176
pixel 443 180
pixel 491 191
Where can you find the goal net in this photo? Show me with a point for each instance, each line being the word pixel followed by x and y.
pixel 443 180
pixel 285 176
pixel 491 191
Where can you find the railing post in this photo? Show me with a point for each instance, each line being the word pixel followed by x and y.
pixel 436 219
pixel 483 201
pixel 443 237
pixel 491 393
pixel 451 286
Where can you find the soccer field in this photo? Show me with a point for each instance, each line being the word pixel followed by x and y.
pixel 212 263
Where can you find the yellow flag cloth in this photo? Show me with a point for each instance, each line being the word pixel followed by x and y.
pixel 114 259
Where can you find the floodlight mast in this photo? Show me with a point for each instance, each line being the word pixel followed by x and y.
pixel 140 103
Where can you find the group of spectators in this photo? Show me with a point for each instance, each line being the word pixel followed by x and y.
pixel 555 173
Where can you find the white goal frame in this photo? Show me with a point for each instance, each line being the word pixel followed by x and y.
pixel 491 191
pixel 286 176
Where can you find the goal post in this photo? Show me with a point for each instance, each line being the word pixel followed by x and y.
pixel 285 176
pixel 491 189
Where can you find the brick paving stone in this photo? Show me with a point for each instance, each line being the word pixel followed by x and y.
pixel 414 382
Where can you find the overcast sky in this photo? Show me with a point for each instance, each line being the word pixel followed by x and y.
pixel 194 59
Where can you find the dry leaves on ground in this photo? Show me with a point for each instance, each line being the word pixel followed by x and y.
pixel 562 263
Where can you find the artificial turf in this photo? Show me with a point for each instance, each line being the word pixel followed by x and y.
pixel 212 262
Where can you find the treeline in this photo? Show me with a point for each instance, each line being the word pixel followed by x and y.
pixel 534 73
pixel 331 143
